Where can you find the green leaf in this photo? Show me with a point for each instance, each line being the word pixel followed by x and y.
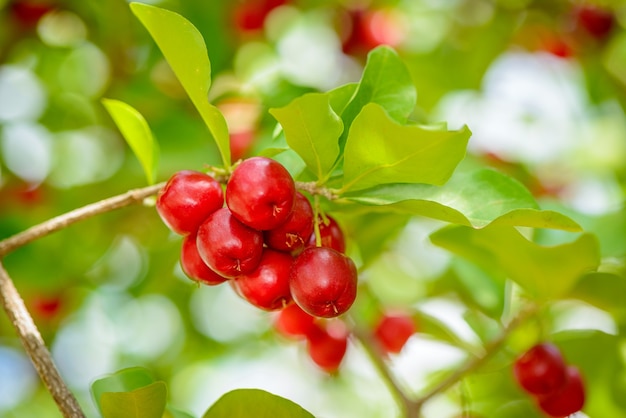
pixel 124 380
pixel 137 134
pixel 381 151
pixel 246 403
pixel 604 290
pixel 184 49
pixel 312 129
pixel 475 198
pixel 145 402
pixel 431 326
pixel 385 81
pixel 544 272
pixel 341 96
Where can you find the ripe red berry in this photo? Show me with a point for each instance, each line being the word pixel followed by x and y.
pixel 293 322
pixel 227 246
pixel 267 286
pixel 260 193
pixel 566 400
pixel 596 20
pixel 193 266
pixel 327 345
pixel 294 233
pixel 323 282
pixel 393 331
pixel 541 370
pixel 187 199
pixel 330 233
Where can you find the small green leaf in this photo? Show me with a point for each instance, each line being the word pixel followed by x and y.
pixel 385 81
pixel 312 129
pixel 124 380
pixel 380 151
pixel 341 96
pixel 145 402
pixel 474 198
pixel 184 49
pixel 544 272
pixel 246 403
pixel 137 134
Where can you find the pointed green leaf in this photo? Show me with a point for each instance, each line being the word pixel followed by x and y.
pixel 341 96
pixel 312 129
pixel 474 198
pixel 137 134
pixel 385 81
pixel 380 151
pixel 184 49
pixel 145 402
pixel 246 403
pixel 544 272
pixel 124 380
pixel 604 290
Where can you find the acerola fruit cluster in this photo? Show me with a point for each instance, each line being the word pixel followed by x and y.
pixel 327 340
pixel 557 387
pixel 259 236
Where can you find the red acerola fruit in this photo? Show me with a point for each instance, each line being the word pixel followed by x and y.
pixel 293 322
pixel 267 286
pixel 541 370
pixel 260 193
pixel 294 233
pixel 327 345
pixel 567 399
pixel 393 330
pixel 596 20
pixel 330 233
pixel 227 246
pixel 187 199
pixel 193 265
pixel 250 15
pixel 323 282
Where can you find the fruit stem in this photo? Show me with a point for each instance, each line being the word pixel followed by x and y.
pixel 316 223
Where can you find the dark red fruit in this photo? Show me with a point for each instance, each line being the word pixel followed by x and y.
pixel 193 266
pixel 293 322
pixel 240 144
pixel 330 233
pixel 250 15
pixel 187 199
pixel 260 193
pixel 566 400
pixel 597 21
pixel 541 370
pixel 327 345
pixel 227 246
pixel 294 233
pixel 267 286
pixel 323 282
pixel 393 331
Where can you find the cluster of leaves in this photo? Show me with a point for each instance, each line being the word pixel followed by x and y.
pixel 361 148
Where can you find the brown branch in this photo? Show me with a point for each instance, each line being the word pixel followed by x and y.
pixel 36 348
pixel 69 218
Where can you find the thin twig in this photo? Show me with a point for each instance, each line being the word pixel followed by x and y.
pixel 36 348
pixel 67 219
pixel 377 357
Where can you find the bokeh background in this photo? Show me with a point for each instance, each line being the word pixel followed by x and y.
pixel 541 84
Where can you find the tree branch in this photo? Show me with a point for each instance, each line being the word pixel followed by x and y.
pixel 36 348
pixel 69 218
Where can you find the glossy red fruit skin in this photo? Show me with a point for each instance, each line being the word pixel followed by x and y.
pixel 260 193
pixel 393 330
pixel 227 246
pixel 597 21
pixel 566 400
pixel 331 235
pixel 193 265
pixel 541 370
pixel 187 199
pixel 327 347
pixel 293 322
pixel 323 282
pixel 267 286
pixel 293 234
